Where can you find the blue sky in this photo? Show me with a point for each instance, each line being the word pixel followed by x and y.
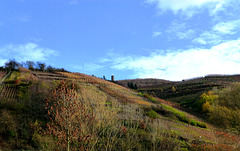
pixel 165 39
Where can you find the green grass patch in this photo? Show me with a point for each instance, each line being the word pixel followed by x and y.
pixel 149 97
pixel 183 118
pixel 13 76
pixel 153 114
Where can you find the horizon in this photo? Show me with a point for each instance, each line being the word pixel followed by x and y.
pixel 168 40
pixel 38 69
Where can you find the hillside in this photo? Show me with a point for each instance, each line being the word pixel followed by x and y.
pixel 142 83
pixel 185 92
pixel 40 111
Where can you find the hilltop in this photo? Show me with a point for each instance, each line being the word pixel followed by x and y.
pixel 61 110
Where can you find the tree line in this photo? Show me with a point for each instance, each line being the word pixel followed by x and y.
pixel 13 65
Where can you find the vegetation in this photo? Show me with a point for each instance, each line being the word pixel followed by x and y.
pixel 132 86
pixel 223 107
pixel 13 65
pixel 74 111
pixel 185 92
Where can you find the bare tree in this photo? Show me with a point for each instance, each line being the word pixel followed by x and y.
pixel 70 121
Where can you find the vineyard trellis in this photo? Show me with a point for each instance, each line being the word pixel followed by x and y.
pixel 2 73
pixel 8 93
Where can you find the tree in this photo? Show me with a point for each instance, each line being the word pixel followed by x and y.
pixel 30 65
pixel 50 69
pixel 41 66
pixel 173 89
pixel 132 86
pixel 12 64
pixel 205 101
pixel 70 122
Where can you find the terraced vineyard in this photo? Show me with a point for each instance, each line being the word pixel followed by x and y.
pixel 123 117
pixel 114 91
pixel 2 73
pixel 8 93
pixel 49 76
pixel 184 92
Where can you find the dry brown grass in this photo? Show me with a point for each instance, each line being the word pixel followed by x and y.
pixel 114 90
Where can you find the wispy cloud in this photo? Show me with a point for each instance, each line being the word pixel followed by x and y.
pixel 218 32
pixel 188 7
pixel 156 34
pixel 179 31
pixel 176 27
pixel 208 37
pixel 228 27
pixel 219 59
pixel 28 51
pixel 185 35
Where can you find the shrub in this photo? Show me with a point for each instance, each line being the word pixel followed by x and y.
pixel 8 124
pixel 153 100
pixel 225 117
pixel 201 124
pixel 230 96
pixel 193 122
pixel 182 117
pixel 205 100
pixel 152 114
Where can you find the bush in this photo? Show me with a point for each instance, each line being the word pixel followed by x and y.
pixel 183 118
pixel 201 124
pixel 230 97
pixel 225 117
pixel 152 114
pixel 193 122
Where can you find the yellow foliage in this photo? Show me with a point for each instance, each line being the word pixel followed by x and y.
pixel 210 97
pixel 206 106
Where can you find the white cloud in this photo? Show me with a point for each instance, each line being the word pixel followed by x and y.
pixel 189 7
pixel 208 38
pixel 185 35
pixel 179 31
pixel 220 59
pixel 229 27
pixel 28 51
pixel 2 61
pixel 217 32
pixel 176 27
pixel 156 34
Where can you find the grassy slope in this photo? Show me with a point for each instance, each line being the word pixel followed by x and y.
pixel 132 106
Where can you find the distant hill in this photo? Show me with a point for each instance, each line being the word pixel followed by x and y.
pixel 186 92
pixel 142 83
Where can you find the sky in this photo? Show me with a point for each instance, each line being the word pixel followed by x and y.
pixel 164 39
